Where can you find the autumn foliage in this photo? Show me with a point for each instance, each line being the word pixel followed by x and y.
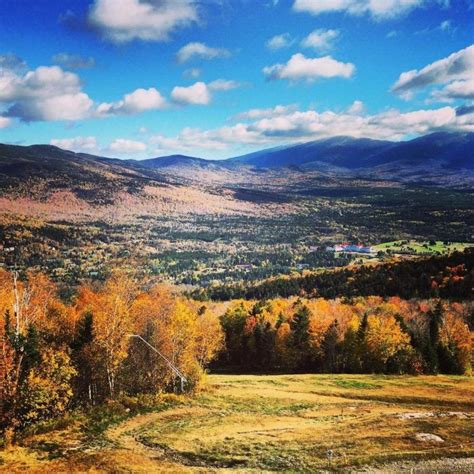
pixel 54 356
pixel 362 335
pixel 124 338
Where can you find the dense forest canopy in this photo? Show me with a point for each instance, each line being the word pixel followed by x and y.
pixel 450 276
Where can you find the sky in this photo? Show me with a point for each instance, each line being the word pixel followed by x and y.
pixel 220 78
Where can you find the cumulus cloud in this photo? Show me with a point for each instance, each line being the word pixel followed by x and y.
pixel 456 90
pixel 320 40
pixel 356 108
pixel 47 93
pixel 279 42
pixel 223 85
pixel 267 127
pixel 379 9
pixel 254 114
pixel 50 93
pixel 299 67
pixel 200 93
pixel 73 61
pixel 197 94
pixel 456 70
pixel 149 20
pixel 391 124
pixel 89 144
pixel 200 50
pixel 190 139
pixel 140 100
pixel 124 146
pixel 77 144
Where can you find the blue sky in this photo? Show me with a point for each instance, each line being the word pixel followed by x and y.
pixel 216 78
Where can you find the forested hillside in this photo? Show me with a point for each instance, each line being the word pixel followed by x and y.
pixel 450 276
pixel 124 339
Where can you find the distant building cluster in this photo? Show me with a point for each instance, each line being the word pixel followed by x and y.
pixel 350 248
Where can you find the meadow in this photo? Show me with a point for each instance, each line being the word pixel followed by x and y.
pixel 422 247
pixel 267 423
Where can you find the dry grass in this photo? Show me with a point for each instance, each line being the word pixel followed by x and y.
pixel 274 423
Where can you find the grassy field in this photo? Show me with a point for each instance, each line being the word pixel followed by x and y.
pixel 422 248
pixel 285 423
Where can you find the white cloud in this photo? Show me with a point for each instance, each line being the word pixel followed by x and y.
pixel 457 70
pixel 200 50
pixel 47 93
pixel 149 20
pixel 254 114
pixel 392 124
pixel 269 129
pixel 356 108
pixel 73 61
pixel 50 93
pixel 279 42
pixel 300 67
pixel 197 94
pixel 200 93
pixel 379 9
pixel 4 122
pixel 456 90
pixel 140 100
pixel 223 85
pixel 192 139
pixel 90 145
pixel 78 144
pixel 320 40
pixel 124 146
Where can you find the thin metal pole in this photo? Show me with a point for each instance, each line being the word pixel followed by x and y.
pixel 170 364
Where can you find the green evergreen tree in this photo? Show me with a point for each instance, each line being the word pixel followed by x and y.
pixel 300 337
pixel 330 346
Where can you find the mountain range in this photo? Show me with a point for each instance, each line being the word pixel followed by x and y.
pixel 441 159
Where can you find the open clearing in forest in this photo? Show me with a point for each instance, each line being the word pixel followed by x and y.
pixel 422 248
pixel 270 423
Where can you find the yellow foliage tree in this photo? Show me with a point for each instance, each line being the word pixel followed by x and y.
pixel 455 336
pixel 385 338
pixel 113 323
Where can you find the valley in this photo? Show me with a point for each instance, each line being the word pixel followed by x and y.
pixel 190 221
pixel 236 236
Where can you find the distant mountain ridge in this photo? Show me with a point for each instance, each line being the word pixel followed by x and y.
pixel 451 149
pixel 443 158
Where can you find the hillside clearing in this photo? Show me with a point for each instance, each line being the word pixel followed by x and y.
pixel 278 423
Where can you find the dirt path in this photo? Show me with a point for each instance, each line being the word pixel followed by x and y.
pixel 139 457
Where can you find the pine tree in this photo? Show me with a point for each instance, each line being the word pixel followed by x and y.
pixel 330 348
pixel 300 337
pixel 433 350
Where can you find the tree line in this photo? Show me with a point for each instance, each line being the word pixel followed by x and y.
pixel 450 276
pixel 362 335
